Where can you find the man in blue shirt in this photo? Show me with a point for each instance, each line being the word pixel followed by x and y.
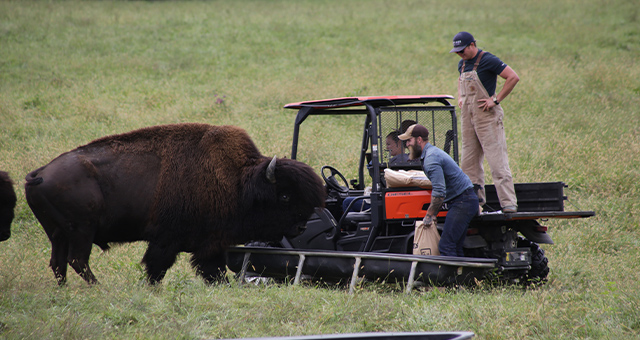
pixel 450 185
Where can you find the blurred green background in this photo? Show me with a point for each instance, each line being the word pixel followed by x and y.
pixel 74 71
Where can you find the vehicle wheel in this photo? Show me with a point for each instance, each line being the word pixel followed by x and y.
pixel 539 263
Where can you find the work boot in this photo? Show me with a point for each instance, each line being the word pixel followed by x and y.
pixel 510 209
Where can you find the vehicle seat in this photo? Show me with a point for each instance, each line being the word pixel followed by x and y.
pixel 352 219
pixel 351 216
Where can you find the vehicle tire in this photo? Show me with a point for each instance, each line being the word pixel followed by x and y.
pixel 539 263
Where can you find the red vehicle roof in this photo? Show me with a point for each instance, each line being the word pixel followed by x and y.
pixel 375 101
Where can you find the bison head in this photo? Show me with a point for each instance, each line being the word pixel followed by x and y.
pixel 284 197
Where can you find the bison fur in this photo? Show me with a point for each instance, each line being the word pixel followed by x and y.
pixel 192 188
pixel 7 204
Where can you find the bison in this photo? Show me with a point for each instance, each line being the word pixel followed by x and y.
pixel 7 204
pixel 192 188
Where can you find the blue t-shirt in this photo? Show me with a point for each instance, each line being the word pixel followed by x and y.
pixel 447 179
pixel 488 70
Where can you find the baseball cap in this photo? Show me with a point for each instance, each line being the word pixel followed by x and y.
pixel 461 40
pixel 415 130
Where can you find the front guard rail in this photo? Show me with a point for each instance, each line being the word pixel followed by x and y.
pixel 359 256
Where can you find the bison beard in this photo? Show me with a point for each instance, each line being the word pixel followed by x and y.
pixel 7 204
pixel 192 188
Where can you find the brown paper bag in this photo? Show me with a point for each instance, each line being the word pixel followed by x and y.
pixel 426 239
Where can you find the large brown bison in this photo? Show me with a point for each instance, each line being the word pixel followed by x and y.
pixel 192 188
pixel 7 204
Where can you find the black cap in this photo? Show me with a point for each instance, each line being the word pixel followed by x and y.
pixel 461 40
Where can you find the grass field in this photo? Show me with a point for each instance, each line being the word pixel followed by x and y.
pixel 71 72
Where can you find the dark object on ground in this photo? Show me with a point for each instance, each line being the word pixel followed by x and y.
pixel 380 336
pixel 7 204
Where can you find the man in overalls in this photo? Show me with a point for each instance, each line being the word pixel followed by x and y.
pixel 482 118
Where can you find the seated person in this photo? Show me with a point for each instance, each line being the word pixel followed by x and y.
pixel 396 148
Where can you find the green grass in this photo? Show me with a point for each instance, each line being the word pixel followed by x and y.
pixel 71 72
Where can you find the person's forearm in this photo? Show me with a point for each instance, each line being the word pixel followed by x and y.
pixel 432 211
pixel 511 79
pixel 434 207
pixel 507 88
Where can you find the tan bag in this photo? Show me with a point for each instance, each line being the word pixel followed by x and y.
pixel 404 178
pixel 426 239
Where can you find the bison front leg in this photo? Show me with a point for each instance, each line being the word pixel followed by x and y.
pixel 212 268
pixel 158 260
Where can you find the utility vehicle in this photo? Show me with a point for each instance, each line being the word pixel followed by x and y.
pixel 372 236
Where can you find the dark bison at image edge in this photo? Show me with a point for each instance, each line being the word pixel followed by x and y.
pixel 193 188
pixel 7 204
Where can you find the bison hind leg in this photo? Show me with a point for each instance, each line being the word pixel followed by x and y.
pixel 78 258
pixel 212 267
pixel 59 253
pixel 157 260
pixel 74 252
pixel 82 268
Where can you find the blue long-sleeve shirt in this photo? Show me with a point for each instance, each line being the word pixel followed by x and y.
pixel 447 179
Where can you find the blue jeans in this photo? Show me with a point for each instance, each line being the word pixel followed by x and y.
pixel 359 205
pixel 462 209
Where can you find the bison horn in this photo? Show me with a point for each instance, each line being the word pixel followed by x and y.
pixel 271 171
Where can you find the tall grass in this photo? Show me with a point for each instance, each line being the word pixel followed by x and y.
pixel 74 71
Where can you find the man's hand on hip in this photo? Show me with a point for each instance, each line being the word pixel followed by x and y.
pixel 486 104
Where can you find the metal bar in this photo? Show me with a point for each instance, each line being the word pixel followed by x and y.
pixel 533 215
pixel 380 336
pixel 412 275
pixel 354 276
pixel 299 271
pixel 376 211
pixel 454 128
pixel 245 264
pixel 454 261
pixel 363 151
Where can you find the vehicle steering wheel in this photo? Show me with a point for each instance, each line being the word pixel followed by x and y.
pixel 331 180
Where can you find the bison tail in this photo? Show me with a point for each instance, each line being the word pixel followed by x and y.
pixel 31 178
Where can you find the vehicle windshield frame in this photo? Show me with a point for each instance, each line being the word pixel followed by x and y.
pixel 372 140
